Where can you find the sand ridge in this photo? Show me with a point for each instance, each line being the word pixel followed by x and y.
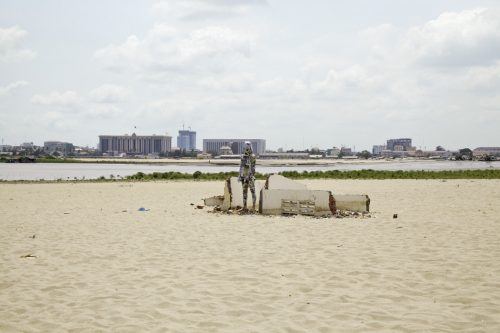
pixel 102 265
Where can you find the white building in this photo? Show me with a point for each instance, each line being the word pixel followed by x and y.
pixel 492 151
pixel 213 146
pixel 135 144
pixel 64 148
pixel 378 149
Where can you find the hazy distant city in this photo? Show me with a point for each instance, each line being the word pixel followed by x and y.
pixel 161 146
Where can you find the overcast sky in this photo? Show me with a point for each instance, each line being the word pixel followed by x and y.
pixel 296 73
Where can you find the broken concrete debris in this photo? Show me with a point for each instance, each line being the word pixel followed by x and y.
pixel 296 202
pixel 283 196
pixel 352 202
pixel 217 200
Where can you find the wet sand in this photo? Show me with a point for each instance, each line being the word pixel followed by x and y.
pixel 98 264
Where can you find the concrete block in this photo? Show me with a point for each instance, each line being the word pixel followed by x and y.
pixel 352 202
pixel 296 202
pixel 278 182
pixel 233 194
pixel 217 200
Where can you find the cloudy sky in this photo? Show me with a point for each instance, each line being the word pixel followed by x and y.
pixel 296 73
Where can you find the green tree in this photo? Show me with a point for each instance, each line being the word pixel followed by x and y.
pixel 464 154
pixel 364 154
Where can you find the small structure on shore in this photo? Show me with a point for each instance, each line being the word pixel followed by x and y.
pixel 283 196
pixel 22 159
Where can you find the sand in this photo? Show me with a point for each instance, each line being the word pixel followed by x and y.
pixel 99 264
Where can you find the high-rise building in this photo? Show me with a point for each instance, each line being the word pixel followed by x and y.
pixel 213 146
pixel 135 144
pixel 378 149
pixel 399 144
pixel 64 148
pixel 333 152
pixel 186 140
pixel 344 151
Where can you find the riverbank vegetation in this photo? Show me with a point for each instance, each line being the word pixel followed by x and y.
pixel 331 174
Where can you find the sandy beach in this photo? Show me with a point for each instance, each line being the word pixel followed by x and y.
pixel 80 257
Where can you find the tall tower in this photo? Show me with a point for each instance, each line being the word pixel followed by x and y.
pixel 186 139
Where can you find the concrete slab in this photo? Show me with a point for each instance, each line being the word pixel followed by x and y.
pixel 233 194
pixel 352 202
pixel 282 196
pixel 217 200
pixel 278 182
pixel 296 202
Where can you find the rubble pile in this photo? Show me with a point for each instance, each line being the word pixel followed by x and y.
pixel 283 196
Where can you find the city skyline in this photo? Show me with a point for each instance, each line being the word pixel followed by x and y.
pixel 200 147
pixel 391 144
pixel 333 74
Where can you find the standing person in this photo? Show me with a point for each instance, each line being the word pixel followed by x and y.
pixel 247 174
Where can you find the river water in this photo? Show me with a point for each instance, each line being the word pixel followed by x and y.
pixel 70 171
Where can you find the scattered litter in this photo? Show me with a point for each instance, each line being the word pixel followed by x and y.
pixel 142 209
pixel 28 256
pixel 347 213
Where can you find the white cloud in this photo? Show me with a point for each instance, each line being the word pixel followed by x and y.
pixel 67 99
pixel 165 50
pixel 10 45
pixel 204 9
pixel 102 111
pixel 118 57
pixel 464 38
pixel 380 39
pixel 108 93
pixel 211 41
pixel 59 122
pixel 350 81
pixel 6 90
pixel 484 79
pixel 242 82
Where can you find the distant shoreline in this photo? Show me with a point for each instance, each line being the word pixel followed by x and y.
pixel 332 174
pixel 231 162
pixel 262 162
